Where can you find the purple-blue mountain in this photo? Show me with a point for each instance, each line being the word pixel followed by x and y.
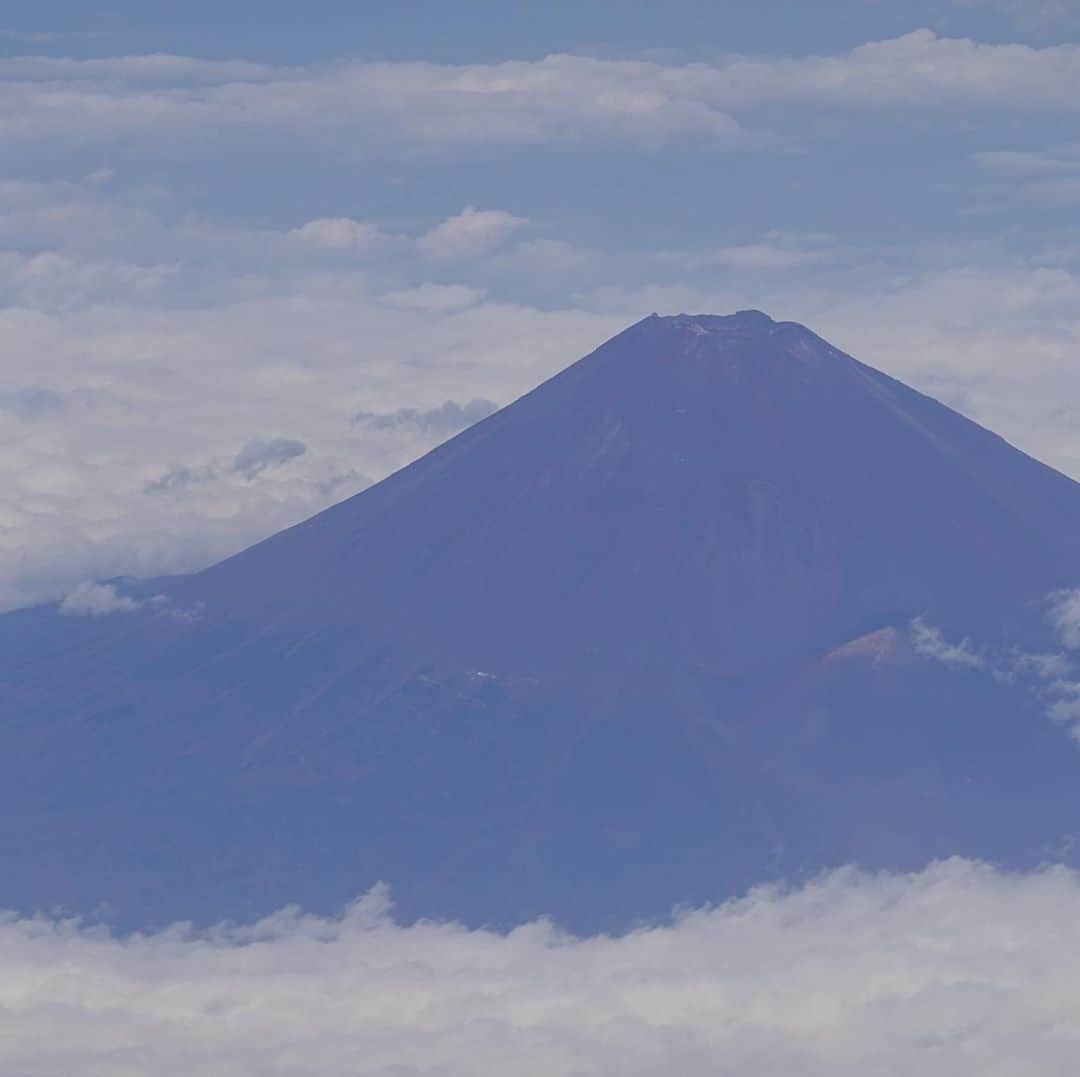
pixel 639 639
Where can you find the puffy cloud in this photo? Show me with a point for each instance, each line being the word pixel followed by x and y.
pixel 91 599
pixel 1065 616
pixel 1066 707
pixel 470 234
pixel 953 970
pixel 97 600
pixel 1053 676
pixel 339 233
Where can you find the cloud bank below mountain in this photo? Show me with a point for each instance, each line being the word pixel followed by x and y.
pixel 958 969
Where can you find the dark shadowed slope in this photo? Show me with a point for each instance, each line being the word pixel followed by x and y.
pixel 590 657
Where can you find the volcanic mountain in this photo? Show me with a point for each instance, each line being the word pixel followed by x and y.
pixel 672 624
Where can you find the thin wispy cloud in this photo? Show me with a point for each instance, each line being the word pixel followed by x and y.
pixel 930 642
pixel 1052 677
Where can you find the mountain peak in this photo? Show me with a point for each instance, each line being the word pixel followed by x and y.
pixel 744 340
pixel 742 321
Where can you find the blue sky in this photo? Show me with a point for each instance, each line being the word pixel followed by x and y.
pixel 279 31
pixel 341 228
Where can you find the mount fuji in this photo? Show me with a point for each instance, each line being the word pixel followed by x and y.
pixel 688 617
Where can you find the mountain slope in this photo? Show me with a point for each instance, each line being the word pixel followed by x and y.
pixel 575 660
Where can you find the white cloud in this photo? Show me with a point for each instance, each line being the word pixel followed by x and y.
pixel 339 233
pixel 472 233
pixel 561 261
pixel 97 600
pixel 1049 676
pixel 112 410
pixel 1066 708
pixel 768 256
pixel 433 297
pixel 929 642
pixel 958 969
pixel 128 386
pixel 922 68
pixel 1043 666
pixel 1065 617
pixel 559 98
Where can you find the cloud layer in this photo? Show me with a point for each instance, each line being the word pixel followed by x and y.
pixel 163 373
pixel 560 98
pixel 158 414
pixel 957 970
